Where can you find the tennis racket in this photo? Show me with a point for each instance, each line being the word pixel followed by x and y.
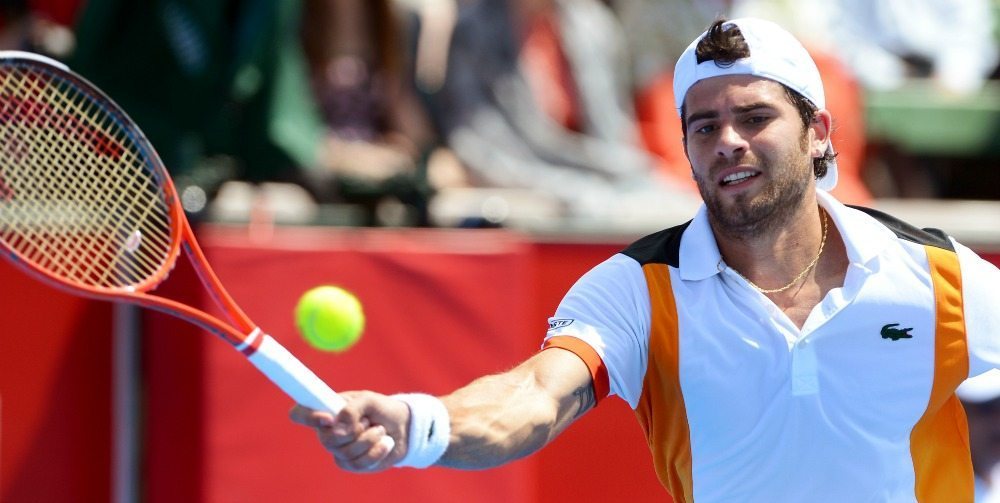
pixel 86 205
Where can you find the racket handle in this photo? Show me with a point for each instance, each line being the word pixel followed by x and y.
pixel 298 382
pixel 294 378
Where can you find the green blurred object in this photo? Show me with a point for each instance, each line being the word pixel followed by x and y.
pixel 206 77
pixel 921 119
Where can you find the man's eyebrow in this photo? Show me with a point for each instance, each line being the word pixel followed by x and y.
pixel 709 114
pixel 742 109
pixel 751 107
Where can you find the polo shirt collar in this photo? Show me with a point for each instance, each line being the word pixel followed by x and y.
pixel 864 238
pixel 699 253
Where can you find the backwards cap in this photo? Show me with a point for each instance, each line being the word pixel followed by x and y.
pixel 774 54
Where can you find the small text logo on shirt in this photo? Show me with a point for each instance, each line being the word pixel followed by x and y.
pixel 554 324
pixel 890 332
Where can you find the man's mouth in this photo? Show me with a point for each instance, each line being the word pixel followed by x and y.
pixel 738 177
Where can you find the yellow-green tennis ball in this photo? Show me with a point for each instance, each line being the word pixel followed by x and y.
pixel 330 318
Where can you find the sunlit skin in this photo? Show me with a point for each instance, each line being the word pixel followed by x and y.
pixel 743 124
pixel 752 159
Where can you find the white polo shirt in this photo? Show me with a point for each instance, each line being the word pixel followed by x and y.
pixel 739 404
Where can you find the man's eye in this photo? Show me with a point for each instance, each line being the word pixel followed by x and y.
pixel 705 129
pixel 757 119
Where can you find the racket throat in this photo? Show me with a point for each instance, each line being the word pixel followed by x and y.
pixel 251 344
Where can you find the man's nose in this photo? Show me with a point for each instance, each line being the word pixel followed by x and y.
pixel 730 142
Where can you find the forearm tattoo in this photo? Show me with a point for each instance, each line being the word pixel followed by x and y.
pixel 585 399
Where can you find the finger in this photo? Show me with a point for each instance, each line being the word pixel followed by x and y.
pixel 310 417
pixel 361 444
pixel 367 454
pixel 334 441
pixel 300 414
pixel 379 409
pixel 348 425
pixel 380 456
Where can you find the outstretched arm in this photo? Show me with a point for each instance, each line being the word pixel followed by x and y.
pixel 493 420
pixel 503 417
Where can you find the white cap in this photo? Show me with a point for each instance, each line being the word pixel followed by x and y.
pixel 982 388
pixel 774 54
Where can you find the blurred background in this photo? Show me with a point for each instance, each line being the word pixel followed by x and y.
pixel 457 164
pixel 509 113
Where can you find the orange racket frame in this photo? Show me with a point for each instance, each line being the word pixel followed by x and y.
pixel 265 353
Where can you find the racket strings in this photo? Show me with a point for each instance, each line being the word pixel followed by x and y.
pixel 76 195
pixel 103 249
pixel 58 212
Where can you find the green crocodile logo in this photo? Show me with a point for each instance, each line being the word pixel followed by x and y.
pixel 889 332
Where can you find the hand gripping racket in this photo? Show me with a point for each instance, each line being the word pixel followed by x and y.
pixel 87 206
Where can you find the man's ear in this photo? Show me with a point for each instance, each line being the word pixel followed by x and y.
pixel 822 127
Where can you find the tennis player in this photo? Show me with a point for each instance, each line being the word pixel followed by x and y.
pixel 779 346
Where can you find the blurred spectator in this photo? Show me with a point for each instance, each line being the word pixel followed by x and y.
pixel 362 75
pixel 38 26
pixel 219 87
pixel 537 96
pixel 889 41
pixel 981 398
pixel 658 30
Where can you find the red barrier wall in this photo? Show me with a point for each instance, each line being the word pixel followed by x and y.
pixel 443 307
pixel 55 388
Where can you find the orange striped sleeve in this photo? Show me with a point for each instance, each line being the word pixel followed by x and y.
pixel 598 372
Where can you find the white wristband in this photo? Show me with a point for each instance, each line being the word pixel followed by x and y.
pixel 430 430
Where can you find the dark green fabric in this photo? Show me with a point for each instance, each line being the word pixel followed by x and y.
pixel 204 78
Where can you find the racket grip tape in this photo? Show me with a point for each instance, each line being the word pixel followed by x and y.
pixel 298 382
pixel 294 378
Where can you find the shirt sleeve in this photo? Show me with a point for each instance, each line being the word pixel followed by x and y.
pixel 981 298
pixel 607 310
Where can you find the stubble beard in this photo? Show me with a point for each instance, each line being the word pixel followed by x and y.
pixel 750 216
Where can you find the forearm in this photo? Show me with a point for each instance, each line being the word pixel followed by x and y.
pixel 491 421
pixel 496 419
pixel 500 418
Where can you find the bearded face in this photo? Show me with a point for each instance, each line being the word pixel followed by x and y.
pixel 788 178
pixel 750 154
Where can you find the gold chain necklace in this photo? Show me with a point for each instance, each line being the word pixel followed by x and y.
pixel 797 278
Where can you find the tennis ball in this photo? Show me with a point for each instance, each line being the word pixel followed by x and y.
pixel 329 318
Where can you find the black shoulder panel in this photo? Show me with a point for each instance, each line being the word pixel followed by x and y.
pixel 932 237
pixel 663 247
